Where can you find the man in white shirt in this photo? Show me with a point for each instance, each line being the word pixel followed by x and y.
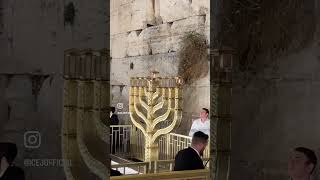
pixel 202 124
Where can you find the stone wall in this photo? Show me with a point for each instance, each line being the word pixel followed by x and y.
pixel 146 34
pixel 34 37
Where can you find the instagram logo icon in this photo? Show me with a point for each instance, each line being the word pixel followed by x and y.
pixel 32 139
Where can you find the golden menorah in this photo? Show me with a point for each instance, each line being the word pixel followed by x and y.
pixel 148 96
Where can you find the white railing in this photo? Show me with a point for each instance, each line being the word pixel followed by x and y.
pixel 128 141
pixel 131 168
pixel 121 140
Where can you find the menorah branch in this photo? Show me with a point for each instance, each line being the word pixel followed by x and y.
pixel 158 106
pixel 161 118
pixel 156 94
pixel 143 104
pixel 139 126
pixel 177 115
pixel 140 114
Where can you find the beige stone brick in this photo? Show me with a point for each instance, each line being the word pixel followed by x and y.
pixel 172 10
pixel 160 39
pixel 124 17
pixel 142 14
pixel 114 23
pixel 194 23
pixel 119 45
pixel 200 7
pixel 182 27
pixel 134 44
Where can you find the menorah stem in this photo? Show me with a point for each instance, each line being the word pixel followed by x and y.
pixel 152 150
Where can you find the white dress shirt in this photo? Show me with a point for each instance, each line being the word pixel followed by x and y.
pixel 198 125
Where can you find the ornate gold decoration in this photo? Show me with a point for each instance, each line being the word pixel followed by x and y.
pixel 86 103
pixel 150 95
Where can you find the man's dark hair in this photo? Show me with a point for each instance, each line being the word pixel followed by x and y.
pixel 199 137
pixel 311 156
pixel 205 109
pixel 112 109
pixel 9 151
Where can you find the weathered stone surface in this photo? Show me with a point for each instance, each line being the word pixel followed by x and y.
pixel 134 44
pixel 166 64
pixel 160 38
pixel 194 23
pixel 131 15
pixel 157 12
pixel 114 5
pixel 142 14
pixel 123 2
pixel 144 43
pixel 114 23
pixel 200 7
pixel 119 71
pixel 152 40
pixel 124 17
pixel 172 10
pixel 182 27
pixel 119 46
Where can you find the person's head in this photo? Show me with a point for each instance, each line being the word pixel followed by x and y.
pixel 204 113
pixel 302 162
pixel 112 109
pixel 199 141
pixel 8 152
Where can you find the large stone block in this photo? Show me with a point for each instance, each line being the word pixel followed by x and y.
pixel 200 7
pixel 166 64
pixel 124 17
pixel 119 46
pixel 122 2
pixel 160 39
pixel 134 44
pixel 114 5
pixel 119 71
pixel 194 23
pixel 144 43
pixel 142 14
pixel 172 10
pixel 152 40
pixel 131 15
pixel 180 28
pixel 114 23
pixel 155 39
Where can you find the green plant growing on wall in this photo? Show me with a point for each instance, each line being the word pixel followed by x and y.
pixel 193 57
pixel 69 14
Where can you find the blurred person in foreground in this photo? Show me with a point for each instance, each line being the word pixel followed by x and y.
pixel 8 152
pixel 302 163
